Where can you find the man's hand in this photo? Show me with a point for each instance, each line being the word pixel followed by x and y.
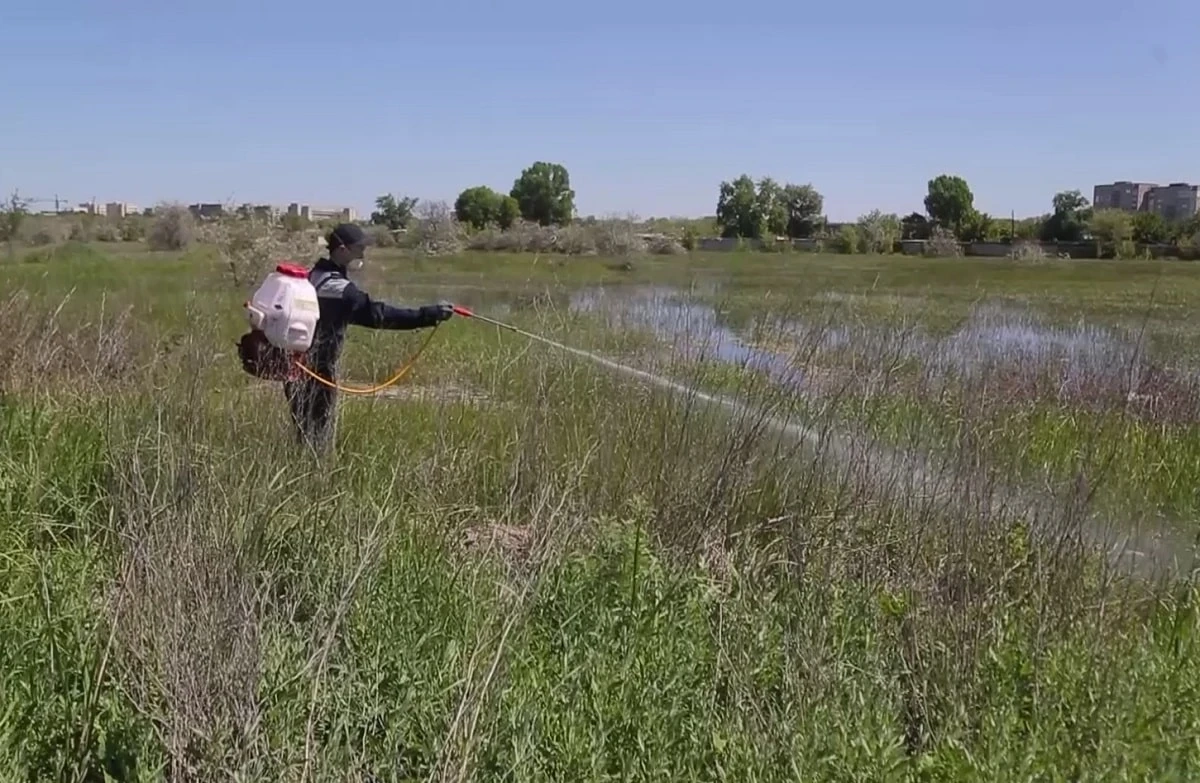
pixel 439 312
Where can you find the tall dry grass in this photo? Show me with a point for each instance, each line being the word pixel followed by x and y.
pixel 434 231
pixel 614 238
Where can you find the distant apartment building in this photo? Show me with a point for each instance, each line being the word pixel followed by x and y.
pixel 346 214
pixel 1129 196
pixel 207 210
pixel 307 212
pixel 1177 201
pixel 120 209
pixel 267 211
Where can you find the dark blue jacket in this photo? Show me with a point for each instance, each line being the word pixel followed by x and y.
pixel 342 304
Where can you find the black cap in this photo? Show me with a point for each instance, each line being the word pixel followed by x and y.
pixel 345 234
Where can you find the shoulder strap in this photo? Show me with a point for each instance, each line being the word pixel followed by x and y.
pixel 318 277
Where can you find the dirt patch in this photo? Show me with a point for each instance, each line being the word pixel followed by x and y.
pixel 512 542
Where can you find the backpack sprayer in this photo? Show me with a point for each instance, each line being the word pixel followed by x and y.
pixel 283 314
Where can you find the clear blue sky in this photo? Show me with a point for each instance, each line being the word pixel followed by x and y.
pixel 649 104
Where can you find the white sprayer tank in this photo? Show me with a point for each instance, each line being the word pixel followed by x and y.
pixel 285 308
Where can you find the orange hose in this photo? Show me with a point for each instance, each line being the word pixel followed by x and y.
pixel 372 389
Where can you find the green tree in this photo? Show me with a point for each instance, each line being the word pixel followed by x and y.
pixel 1148 228
pixel 478 206
pixel 543 194
pixel 739 211
pixel 1111 225
pixel 1070 216
pixel 772 207
pixel 1110 228
pixel 804 206
pixel 915 226
pixel 507 212
pixel 12 215
pixel 949 201
pixel 749 210
pixel 1031 228
pixel 976 226
pixel 999 230
pixel 392 212
pixel 1070 201
pixel 1185 228
pixel 878 232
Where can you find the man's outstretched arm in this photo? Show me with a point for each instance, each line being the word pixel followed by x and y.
pixel 362 310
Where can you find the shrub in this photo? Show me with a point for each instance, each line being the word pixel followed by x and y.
pixel 618 238
pixel 943 243
pixel 381 236
pixel 12 216
pixel 879 232
pixel 524 237
pixel 1126 250
pixel 666 246
pixel 107 232
pixel 84 229
pixel 487 239
pixel 49 231
pixel 250 248
pixel 1028 251
pixel 848 240
pixel 610 238
pixel 173 228
pixel 436 232
pixel 132 230
pixel 690 239
pixel 574 241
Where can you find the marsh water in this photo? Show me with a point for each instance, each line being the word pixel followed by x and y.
pixel 991 335
pixel 694 326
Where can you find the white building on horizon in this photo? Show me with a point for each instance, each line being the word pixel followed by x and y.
pixel 312 213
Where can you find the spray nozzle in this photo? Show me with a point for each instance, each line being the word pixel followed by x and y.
pixel 464 312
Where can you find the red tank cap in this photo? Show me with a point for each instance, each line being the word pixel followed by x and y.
pixel 291 270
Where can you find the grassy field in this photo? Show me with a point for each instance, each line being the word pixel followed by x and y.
pixel 520 565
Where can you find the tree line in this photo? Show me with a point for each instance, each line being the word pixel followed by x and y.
pixel 752 209
pixel 542 194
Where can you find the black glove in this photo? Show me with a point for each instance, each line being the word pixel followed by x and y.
pixel 438 312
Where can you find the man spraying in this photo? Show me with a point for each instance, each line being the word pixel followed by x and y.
pixel 342 304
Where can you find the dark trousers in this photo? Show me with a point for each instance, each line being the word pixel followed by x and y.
pixel 314 407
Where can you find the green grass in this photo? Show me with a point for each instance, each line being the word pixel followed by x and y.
pixel 674 593
pixel 1140 467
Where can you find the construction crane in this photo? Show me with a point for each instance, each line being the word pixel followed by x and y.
pixel 58 201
